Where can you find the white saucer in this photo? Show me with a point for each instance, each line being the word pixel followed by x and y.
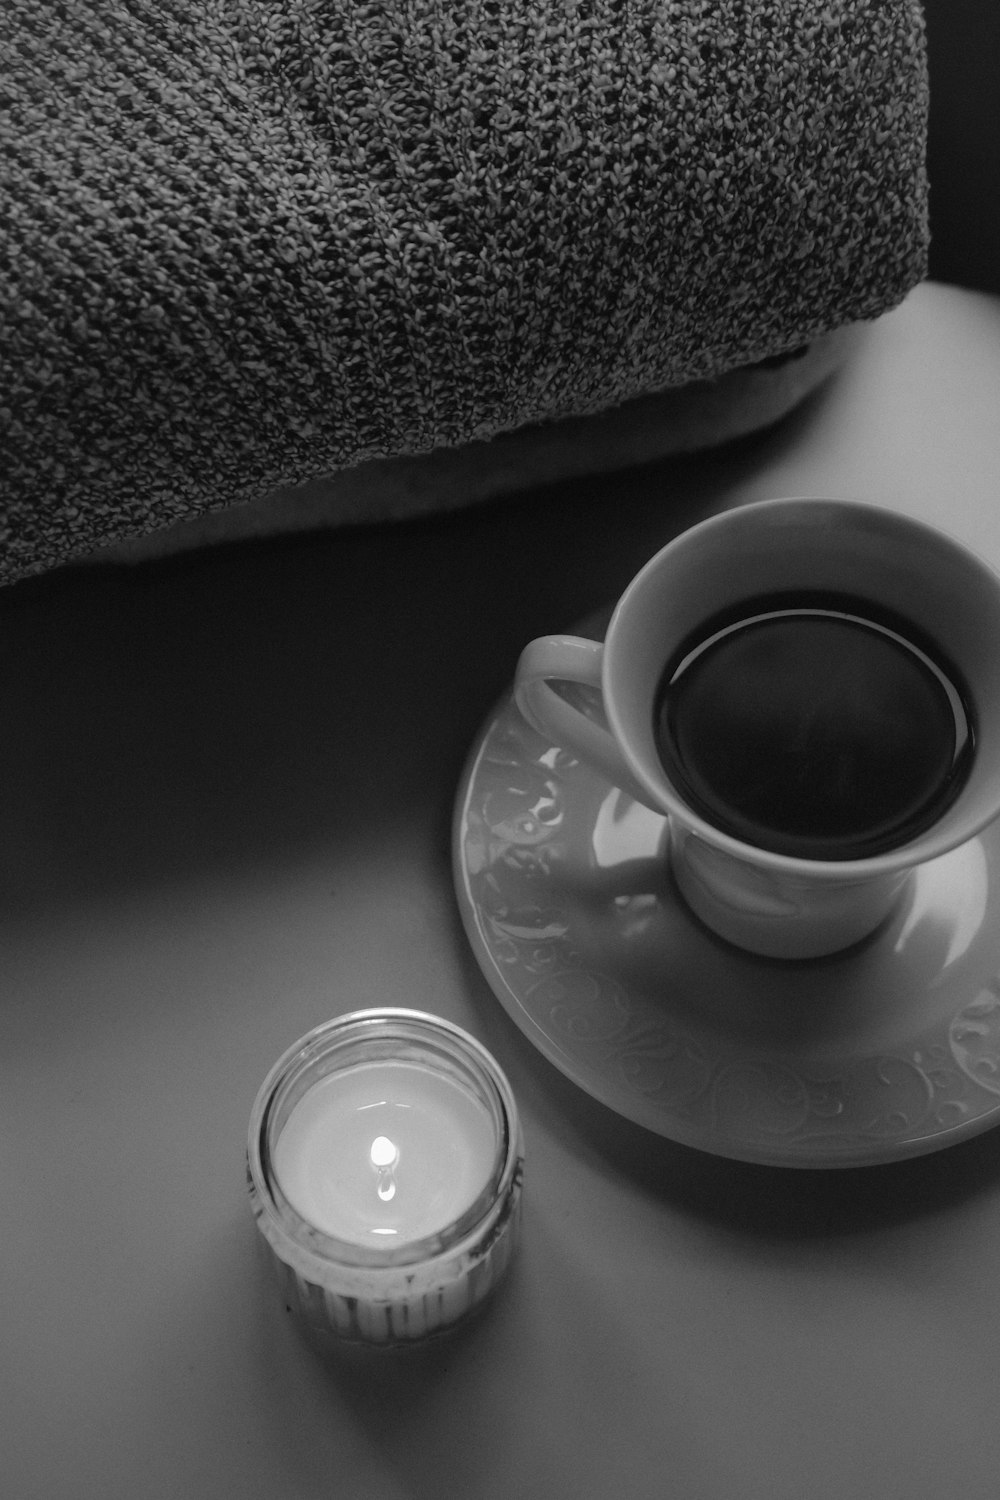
pixel 889 1050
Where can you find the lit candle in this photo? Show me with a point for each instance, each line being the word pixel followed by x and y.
pixel 386 1151
pixel 385 1167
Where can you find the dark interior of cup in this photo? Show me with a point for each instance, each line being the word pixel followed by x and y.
pixel 938 594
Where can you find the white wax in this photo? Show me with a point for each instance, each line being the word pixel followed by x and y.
pixel 385 1153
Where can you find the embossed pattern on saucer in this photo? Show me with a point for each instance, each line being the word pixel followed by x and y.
pixel 889 1050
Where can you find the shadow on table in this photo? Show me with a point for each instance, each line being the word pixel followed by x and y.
pixel 260 701
pixel 417 1417
pixel 492 1409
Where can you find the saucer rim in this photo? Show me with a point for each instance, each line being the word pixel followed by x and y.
pixel 632 1106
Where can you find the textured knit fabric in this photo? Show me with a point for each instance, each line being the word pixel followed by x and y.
pixel 247 242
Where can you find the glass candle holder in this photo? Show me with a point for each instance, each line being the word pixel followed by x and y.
pixel 384 1165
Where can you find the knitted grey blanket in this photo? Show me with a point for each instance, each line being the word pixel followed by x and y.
pixel 244 243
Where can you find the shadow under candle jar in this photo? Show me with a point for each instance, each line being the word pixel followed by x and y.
pixel 384 1165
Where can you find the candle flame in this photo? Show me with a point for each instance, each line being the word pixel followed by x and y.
pixel 383 1152
pixel 384 1156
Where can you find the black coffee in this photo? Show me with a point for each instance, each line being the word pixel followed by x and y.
pixel 813 726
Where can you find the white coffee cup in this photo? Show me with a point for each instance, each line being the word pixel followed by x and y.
pixel 772 903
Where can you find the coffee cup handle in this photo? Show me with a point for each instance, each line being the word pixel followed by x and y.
pixel 571 658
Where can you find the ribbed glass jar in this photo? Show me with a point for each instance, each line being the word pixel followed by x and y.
pixel 447 1134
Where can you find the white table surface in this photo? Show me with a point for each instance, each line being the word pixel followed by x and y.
pixel 226 789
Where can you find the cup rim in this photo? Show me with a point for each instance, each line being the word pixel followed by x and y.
pixel 939 839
